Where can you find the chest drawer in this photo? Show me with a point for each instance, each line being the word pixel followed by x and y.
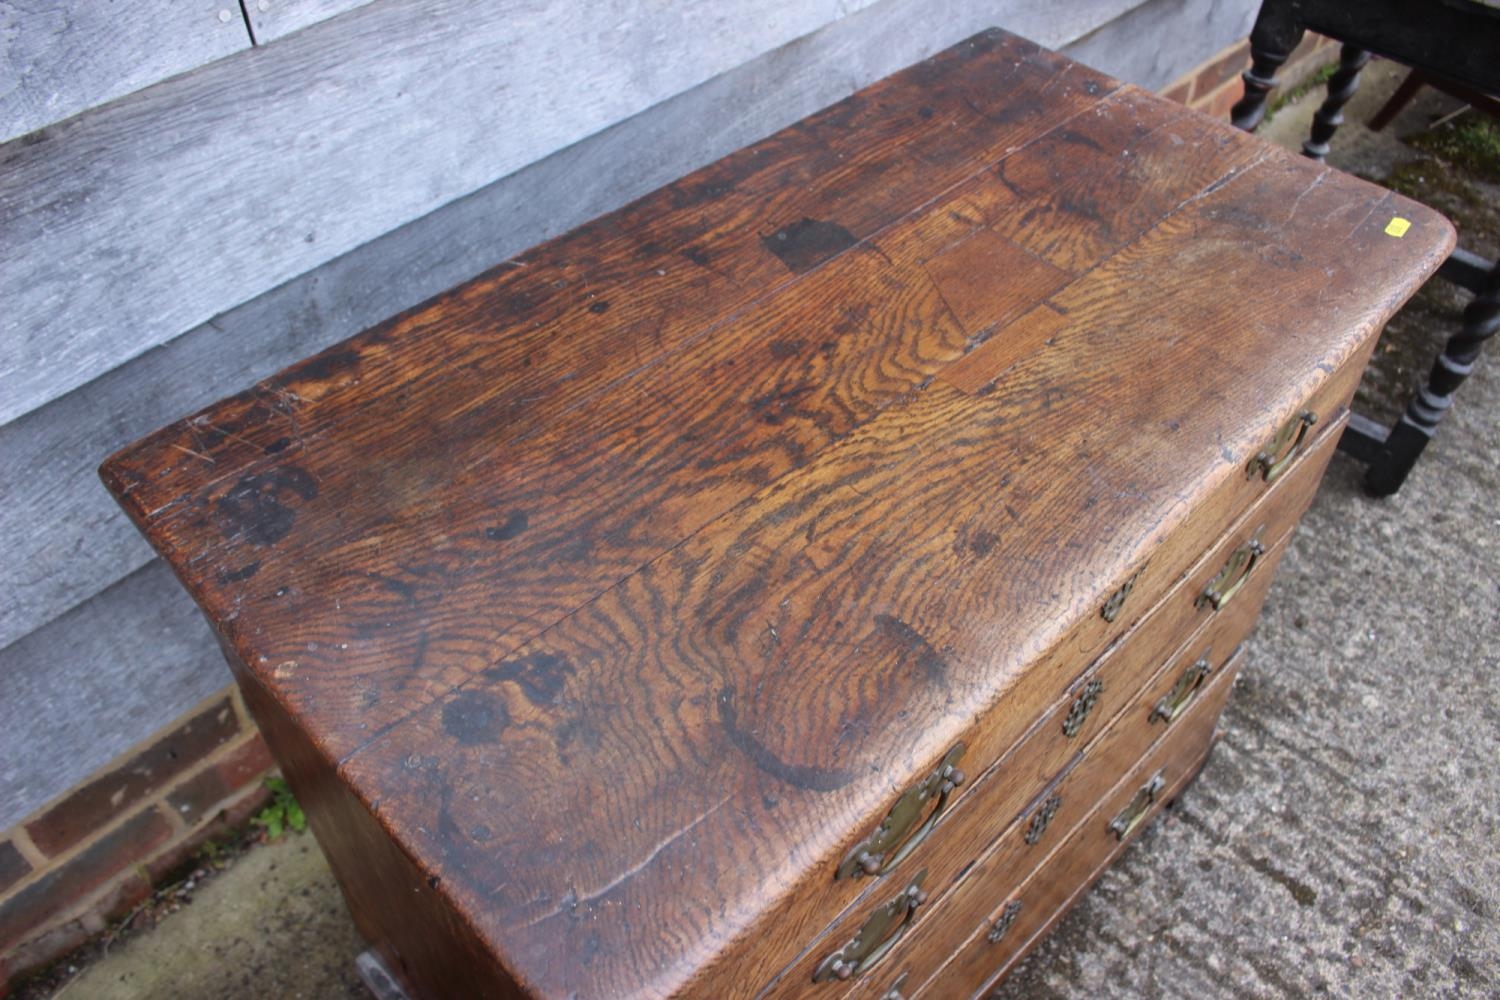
pixel 1063 799
pixel 996 920
pixel 950 827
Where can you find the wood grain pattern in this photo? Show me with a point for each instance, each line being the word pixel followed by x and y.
pixel 273 19
pixel 626 585
pixel 1076 862
pixel 1125 671
pixel 1001 805
pixel 62 57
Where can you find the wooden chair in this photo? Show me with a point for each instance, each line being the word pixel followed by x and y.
pixel 1453 44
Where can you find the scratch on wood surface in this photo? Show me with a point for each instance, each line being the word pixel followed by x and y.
pixel 1297 202
pixel 572 900
pixel 195 454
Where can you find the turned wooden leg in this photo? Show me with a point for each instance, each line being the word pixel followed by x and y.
pixel 1341 87
pixel 1400 99
pixel 1427 409
pixel 1275 35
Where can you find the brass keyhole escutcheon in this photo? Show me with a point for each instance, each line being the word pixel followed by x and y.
pixel 1042 818
pixel 1111 609
pixel 1003 922
pixel 900 833
pixel 1232 577
pixel 1276 457
pixel 877 936
pixel 1083 704
pixel 1172 704
pixel 1130 817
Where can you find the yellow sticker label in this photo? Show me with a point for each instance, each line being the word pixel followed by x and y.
pixel 1397 227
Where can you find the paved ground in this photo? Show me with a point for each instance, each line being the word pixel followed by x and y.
pixel 1344 839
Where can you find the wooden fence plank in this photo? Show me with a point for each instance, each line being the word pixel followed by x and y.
pixel 61 57
pixel 123 228
pixel 272 19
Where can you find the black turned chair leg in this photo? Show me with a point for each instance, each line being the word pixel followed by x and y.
pixel 1275 35
pixel 1426 410
pixel 1341 87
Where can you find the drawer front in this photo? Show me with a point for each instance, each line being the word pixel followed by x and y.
pixel 998 868
pixel 1000 922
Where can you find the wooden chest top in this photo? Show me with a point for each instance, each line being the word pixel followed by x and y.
pixel 624 581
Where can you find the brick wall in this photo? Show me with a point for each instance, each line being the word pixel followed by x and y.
pixel 93 854
pixel 96 851
pixel 1215 85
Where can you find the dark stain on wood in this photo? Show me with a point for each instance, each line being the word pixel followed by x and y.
pixel 913 647
pixel 807 776
pixel 807 243
pixel 319 367
pixel 475 717
pixel 540 675
pixel 240 575
pixel 262 508
pixel 515 523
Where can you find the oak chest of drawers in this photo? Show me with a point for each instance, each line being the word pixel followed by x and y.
pixel 802 581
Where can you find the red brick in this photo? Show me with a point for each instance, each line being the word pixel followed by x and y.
pixel 230 818
pixel 242 765
pixel 13 866
pixel 1179 92
pixel 62 888
pixel 55 942
pixel 1217 104
pixel 97 803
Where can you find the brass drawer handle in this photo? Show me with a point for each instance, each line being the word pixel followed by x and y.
pixel 877 936
pixel 1083 704
pixel 1002 923
pixel 1276 457
pixel 1042 818
pixel 894 839
pixel 1172 704
pixel 1233 576
pixel 1130 817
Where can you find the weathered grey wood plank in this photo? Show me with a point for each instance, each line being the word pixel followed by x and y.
pixel 76 541
pixel 60 57
pixel 223 183
pixel 1152 44
pixel 95 682
pixel 273 19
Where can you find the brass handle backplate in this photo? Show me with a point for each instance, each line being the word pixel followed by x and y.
pixel 877 936
pixel 1111 609
pixel 1083 704
pixel 1042 818
pixel 899 833
pixel 1232 577
pixel 1130 817
pixel 1174 701
pixel 1276 457
pixel 1002 923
